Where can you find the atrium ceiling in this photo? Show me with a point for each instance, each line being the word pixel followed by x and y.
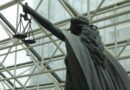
pixel 40 66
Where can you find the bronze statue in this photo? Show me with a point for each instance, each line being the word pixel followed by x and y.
pixel 89 66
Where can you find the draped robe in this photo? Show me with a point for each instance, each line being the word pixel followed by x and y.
pixel 90 66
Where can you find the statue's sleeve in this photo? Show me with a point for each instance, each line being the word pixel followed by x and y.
pixel 44 22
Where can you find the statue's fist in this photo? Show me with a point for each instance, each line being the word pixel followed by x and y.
pixel 25 8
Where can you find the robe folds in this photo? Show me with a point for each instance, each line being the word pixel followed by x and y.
pixel 90 66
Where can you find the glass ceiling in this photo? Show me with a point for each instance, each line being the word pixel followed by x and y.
pixel 40 66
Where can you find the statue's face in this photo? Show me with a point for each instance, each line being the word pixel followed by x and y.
pixel 75 29
pixel 77 24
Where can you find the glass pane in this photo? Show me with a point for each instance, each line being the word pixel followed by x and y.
pixel 3 34
pixel 10 17
pixel 48 10
pixel 126 64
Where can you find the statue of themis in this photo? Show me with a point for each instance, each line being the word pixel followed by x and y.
pixel 89 66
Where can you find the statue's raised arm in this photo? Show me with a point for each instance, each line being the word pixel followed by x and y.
pixel 44 22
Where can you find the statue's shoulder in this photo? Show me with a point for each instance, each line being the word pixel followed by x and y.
pixel 69 34
pixel 66 33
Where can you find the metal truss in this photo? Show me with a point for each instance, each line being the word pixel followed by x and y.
pixel 42 63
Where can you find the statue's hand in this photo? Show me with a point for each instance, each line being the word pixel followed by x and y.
pixel 25 8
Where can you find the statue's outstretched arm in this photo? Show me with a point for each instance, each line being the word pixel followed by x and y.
pixel 44 22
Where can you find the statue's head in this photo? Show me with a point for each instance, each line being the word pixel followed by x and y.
pixel 77 23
